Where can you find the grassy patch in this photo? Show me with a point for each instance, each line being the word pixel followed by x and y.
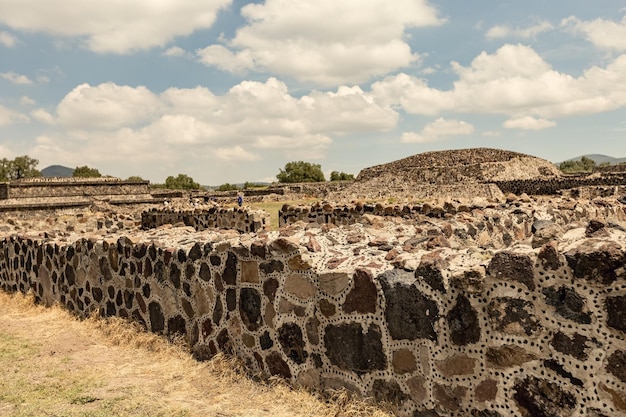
pixel 272 208
pixel 52 364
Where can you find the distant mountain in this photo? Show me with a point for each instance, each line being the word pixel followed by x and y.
pixel 600 159
pixel 57 171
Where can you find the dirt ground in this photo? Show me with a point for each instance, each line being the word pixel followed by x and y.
pixel 52 364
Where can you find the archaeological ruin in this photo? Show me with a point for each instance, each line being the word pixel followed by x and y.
pixel 491 302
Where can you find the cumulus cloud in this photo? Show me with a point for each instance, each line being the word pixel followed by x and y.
pixel 438 130
pixel 8 40
pixel 326 41
pixel 605 34
pixel 112 27
pixel 251 118
pixel 175 51
pixel 43 116
pixel 531 32
pixel 235 153
pixel 26 101
pixel 16 78
pixel 9 117
pixel 514 81
pixel 528 123
pixel 106 106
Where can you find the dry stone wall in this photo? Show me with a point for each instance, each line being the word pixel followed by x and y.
pixel 465 331
pixel 242 220
pixel 60 188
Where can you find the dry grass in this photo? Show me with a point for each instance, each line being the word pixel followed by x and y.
pixel 272 208
pixel 55 365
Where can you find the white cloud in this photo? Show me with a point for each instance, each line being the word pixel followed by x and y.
pixel 9 117
pixel 531 32
pixel 249 121
pixel 528 123
pixel 115 27
pixel 175 51
pixel 605 34
pixel 492 133
pixel 326 41
pixel 514 81
pixel 224 59
pixel 16 78
pixel 107 106
pixel 8 40
pixel 438 130
pixel 43 116
pixel 235 154
pixel 27 101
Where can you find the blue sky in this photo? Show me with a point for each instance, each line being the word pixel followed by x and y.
pixel 232 90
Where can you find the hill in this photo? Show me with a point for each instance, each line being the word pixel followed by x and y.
pixel 57 171
pixel 475 165
pixel 600 159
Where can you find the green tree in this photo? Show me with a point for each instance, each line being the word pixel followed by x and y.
pixel 226 187
pixel 181 182
pixel 86 172
pixel 583 165
pixel 300 171
pixel 341 176
pixel 134 178
pixel 20 167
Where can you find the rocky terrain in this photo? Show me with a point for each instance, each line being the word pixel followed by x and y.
pixel 490 305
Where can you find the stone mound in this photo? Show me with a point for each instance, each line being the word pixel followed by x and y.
pixel 475 165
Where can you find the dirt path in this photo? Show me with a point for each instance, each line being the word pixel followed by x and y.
pixel 54 365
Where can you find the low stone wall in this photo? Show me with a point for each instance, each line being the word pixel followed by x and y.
pixel 242 220
pixel 520 332
pixel 59 188
pixel 556 185
pixel 347 214
pixel 399 189
pixel 611 168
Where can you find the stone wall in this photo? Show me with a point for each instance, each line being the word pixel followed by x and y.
pixel 516 332
pixel 57 187
pixel 610 168
pixel 347 214
pixel 556 185
pixel 242 220
pixel 4 190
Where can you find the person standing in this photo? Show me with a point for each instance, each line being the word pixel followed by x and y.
pixel 239 199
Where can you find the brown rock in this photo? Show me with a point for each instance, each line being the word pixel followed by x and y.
pixel 417 388
pixel 285 306
pixel 404 361
pixel 596 227
pixel 549 256
pixel 327 308
pixel 250 271
pixel 456 365
pixel 486 390
pixel 269 315
pixel 507 356
pixel 313 245
pixel 297 263
pixel 334 263
pixel 248 340
pixel 299 286
pixel 334 283
pixel 362 298
pixel 448 397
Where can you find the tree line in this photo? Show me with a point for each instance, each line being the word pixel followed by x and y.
pixel 295 171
